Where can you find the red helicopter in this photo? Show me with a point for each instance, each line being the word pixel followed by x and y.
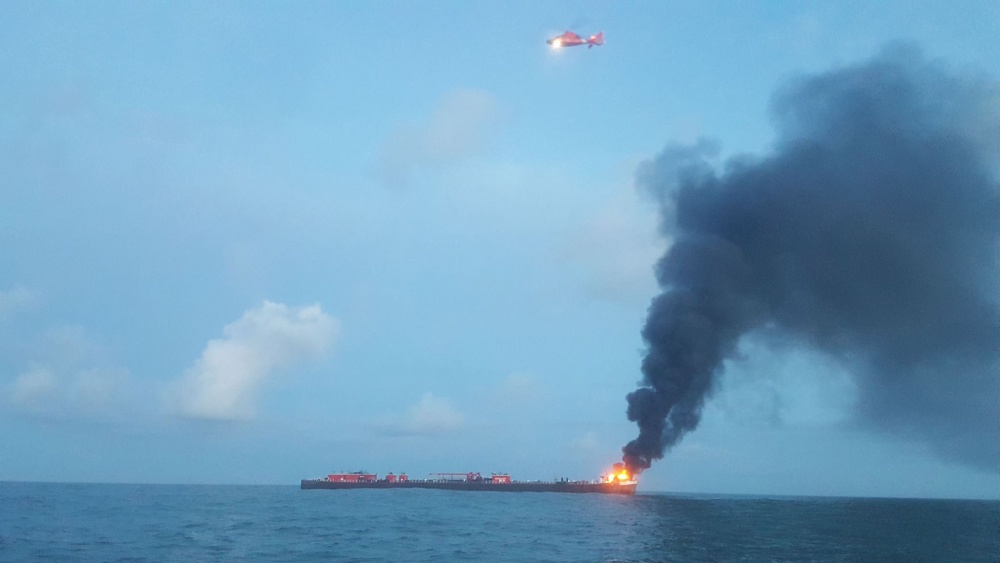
pixel 570 39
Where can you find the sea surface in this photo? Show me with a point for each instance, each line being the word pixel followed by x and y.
pixel 72 522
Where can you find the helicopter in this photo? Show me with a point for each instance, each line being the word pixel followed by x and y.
pixel 570 39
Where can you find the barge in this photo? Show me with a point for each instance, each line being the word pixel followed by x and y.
pixel 618 482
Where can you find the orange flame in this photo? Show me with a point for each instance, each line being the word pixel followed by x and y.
pixel 617 474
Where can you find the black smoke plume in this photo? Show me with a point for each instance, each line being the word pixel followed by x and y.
pixel 871 232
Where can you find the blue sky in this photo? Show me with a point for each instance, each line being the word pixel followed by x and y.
pixel 255 242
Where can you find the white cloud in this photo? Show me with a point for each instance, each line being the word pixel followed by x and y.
pixel 71 347
pixel 70 392
pixel 431 416
pixel 587 443
pixel 33 387
pixel 457 129
pixel 17 298
pixel 224 382
pixel 519 388
pixel 616 248
pixel 98 389
pixel 72 376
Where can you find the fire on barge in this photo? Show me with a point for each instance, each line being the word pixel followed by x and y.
pixel 617 482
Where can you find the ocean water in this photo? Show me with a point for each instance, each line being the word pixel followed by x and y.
pixel 70 522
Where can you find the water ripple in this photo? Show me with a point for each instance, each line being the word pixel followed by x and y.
pixel 183 523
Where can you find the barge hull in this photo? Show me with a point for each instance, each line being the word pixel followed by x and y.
pixel 515 487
